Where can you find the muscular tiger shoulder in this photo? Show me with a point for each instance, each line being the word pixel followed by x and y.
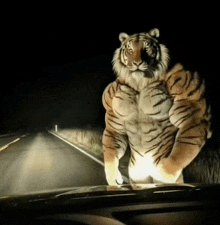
pixel 158 113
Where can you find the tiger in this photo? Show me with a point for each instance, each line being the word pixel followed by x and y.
pixel 161 114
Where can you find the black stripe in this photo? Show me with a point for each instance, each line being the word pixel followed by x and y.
pixel 172 134
pixel 164 144
pixel 164 154
pixel 184 118
pixel 191 137
pixel 116 139
pixel 185 110
pixel 163 120
pixel 157 94
pixel 178 79
pixel 152 148
pixel 108 147
pixel 196 88
pixel 158 51
pixel 120 114
pixel 114 122
pixel 179 107
pixel 181 120
pixel 171 125
pixel 106 102
pixel 110 125
pixel 128 131
pixel 156 81
pixel 130 94
pixel 185 142
pixel 196 125
pixel 173 74
pixel 119 97
pixel 158 87
pixel 195 111
pixel 107 135
pixel 121 141
pixel 164 134
pixel 169 77
pixel 171 114
pixel 133 159
pixel 153 114
pixel 166 151
pixel 109 92
pixel 111 114
pixel 152 139
pixel 133 149
pixel 186 79
pixel 117 143
pixel 114 87
pixel 178 71
pixel 160 102
pixel 109 132
pixel 179 93
pixel 191 78
pixel 146 96
pixel 157 160
pixel 150 131
pixel 168 148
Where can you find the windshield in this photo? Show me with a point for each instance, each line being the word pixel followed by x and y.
pixel 54 121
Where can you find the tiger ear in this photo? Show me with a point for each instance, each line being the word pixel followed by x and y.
pixel 123 36
pixel 154 33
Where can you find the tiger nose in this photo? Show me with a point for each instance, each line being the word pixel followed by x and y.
pixel 138 63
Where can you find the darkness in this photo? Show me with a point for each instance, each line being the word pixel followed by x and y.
pixel 56 73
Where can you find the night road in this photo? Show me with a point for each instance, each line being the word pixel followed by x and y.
pixel 41 161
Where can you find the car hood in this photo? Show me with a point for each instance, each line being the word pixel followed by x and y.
pixel 110 194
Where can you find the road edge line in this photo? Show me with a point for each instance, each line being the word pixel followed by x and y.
pixel 78 148
pixel 86 153
pixel 7 145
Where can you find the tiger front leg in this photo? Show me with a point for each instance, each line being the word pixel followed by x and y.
pixel 188 143
pixel 114 147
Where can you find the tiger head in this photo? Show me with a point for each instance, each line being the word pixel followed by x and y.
pixel 140 55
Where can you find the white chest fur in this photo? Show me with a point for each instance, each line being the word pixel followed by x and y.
pixel 144 114
pixel 152 101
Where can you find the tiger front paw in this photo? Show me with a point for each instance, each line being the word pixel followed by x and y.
pixel 114 180
pixel 167 171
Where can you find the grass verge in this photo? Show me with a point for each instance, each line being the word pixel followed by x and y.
pixel 89 139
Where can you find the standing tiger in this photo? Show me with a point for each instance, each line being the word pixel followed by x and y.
pixel 161 115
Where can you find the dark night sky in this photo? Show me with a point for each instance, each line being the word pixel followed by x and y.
pixel 56 73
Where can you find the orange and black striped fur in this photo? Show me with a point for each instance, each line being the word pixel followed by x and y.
pixel 161 115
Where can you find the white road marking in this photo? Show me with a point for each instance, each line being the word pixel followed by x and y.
pixel 86 153
pixel 5 146
pixel 81 150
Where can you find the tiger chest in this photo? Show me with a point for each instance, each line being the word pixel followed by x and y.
pixel 152 103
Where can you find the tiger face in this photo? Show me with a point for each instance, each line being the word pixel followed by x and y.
pixel 140 55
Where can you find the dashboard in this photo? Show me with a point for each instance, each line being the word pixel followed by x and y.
pixel 154 206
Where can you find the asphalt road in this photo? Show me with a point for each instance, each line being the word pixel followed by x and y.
pixel 41 161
